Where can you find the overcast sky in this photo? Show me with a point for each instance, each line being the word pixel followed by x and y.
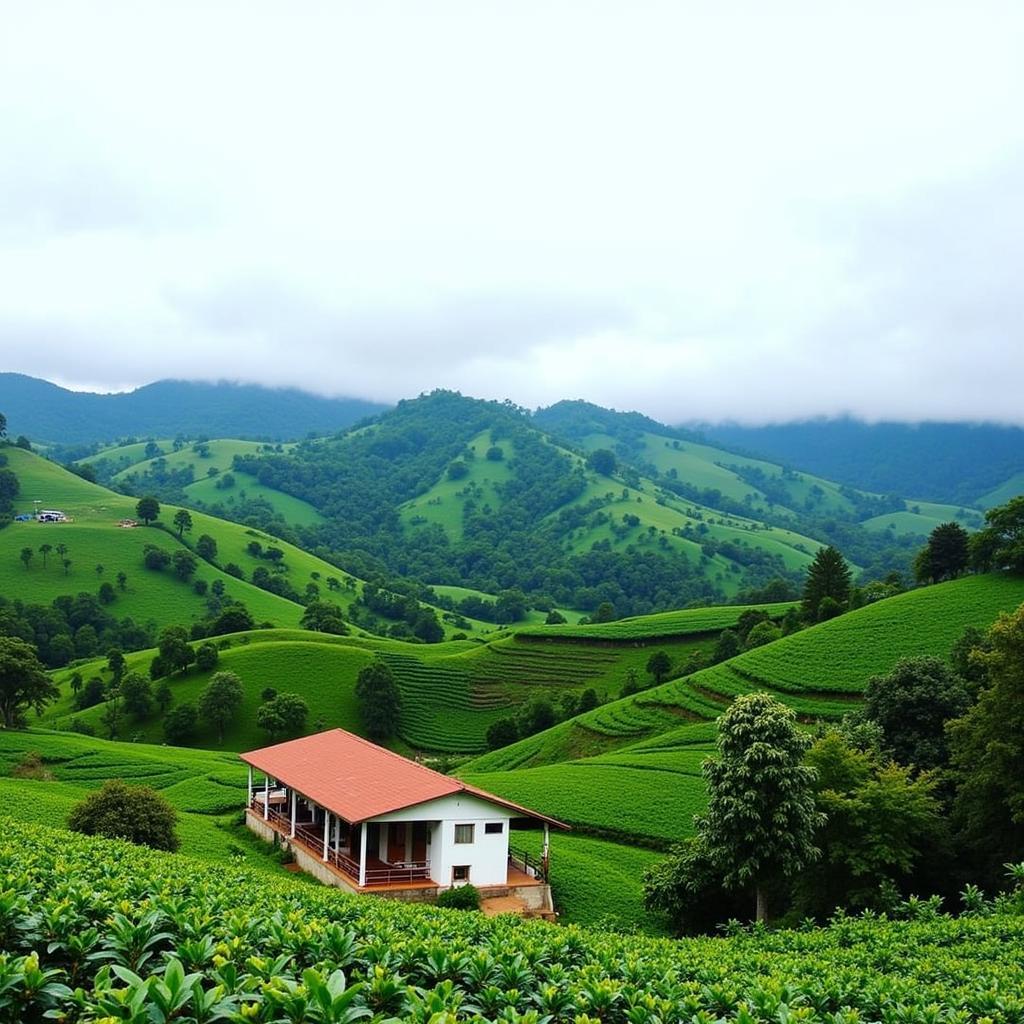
pixel 706 211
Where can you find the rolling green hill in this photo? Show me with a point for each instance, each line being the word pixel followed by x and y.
pixel 93 538
pixel 208 463
pixel 649 746
pixel 451 692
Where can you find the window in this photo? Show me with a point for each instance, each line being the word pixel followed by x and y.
pixel 494 828
pixel 460 873
pixel 463 833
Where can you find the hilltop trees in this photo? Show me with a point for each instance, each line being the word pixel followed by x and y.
pixel 945 556
pixel 220 701
pixel 760 823
pixel 148 509
pixel 828 578
pixel 24 683
pixel 1001 544
pixel 380 701
pixel 911 705
pixel 183 521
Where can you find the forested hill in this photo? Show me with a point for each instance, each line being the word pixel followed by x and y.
pixel 576 506
pixel 953 462
pixel 48 413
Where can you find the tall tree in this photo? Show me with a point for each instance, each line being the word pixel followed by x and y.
pixel 827 576
pixel 659 664
pixel 137 695
pixel 44 550
pixel 175 651
pixel 183 521
pixel 881 821
pixel 220 701
pixel 147 509
pixel 761 818
pixel 912 705
pixel 24 683
pixel 380 702
pixel 116 663
pixel 987 751
pixel 26 556
pixel 945 556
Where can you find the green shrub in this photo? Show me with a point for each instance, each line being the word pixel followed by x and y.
pixel 119 811
pixel 462 897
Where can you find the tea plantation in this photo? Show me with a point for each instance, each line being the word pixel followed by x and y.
pixel 98 930
pixel 820 671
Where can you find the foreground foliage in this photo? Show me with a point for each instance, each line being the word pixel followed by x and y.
pixel 101 931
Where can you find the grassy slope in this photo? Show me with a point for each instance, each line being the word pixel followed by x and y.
pixel 207 789
pixel 1010 488
pixel 94 538
pixel 644 778
pixel 131 460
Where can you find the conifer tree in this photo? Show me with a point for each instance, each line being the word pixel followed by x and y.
pixel 827 576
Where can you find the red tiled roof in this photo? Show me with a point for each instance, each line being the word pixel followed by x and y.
pixel 357 779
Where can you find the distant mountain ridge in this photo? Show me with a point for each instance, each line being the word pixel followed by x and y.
pixel 959 462
pixel 45 412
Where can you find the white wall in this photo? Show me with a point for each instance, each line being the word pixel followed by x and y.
pixel 487 855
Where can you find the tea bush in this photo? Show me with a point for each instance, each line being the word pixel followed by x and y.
pixel 96 930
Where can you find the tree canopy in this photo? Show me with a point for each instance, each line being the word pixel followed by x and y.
pixel 1000 545
pixel 911 705
pixel 220 701
pixel 761 817
pixel 987 751
pixel 828 576
pixel 945 556
pixel 24 683
pixel 380 701
pixel 148 509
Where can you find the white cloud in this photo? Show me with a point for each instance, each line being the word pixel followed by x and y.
pixel 703 212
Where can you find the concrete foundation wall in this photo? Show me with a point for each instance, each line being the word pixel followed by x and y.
pixel 535 898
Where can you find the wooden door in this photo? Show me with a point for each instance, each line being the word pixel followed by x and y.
pixel 396 842
pixel 419 841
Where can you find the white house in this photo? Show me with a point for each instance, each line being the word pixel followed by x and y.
pixel 368 820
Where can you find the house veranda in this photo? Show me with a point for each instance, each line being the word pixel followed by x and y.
pixel 367 820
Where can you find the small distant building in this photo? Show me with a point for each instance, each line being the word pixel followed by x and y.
pixel 370 821
pixel 51 515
